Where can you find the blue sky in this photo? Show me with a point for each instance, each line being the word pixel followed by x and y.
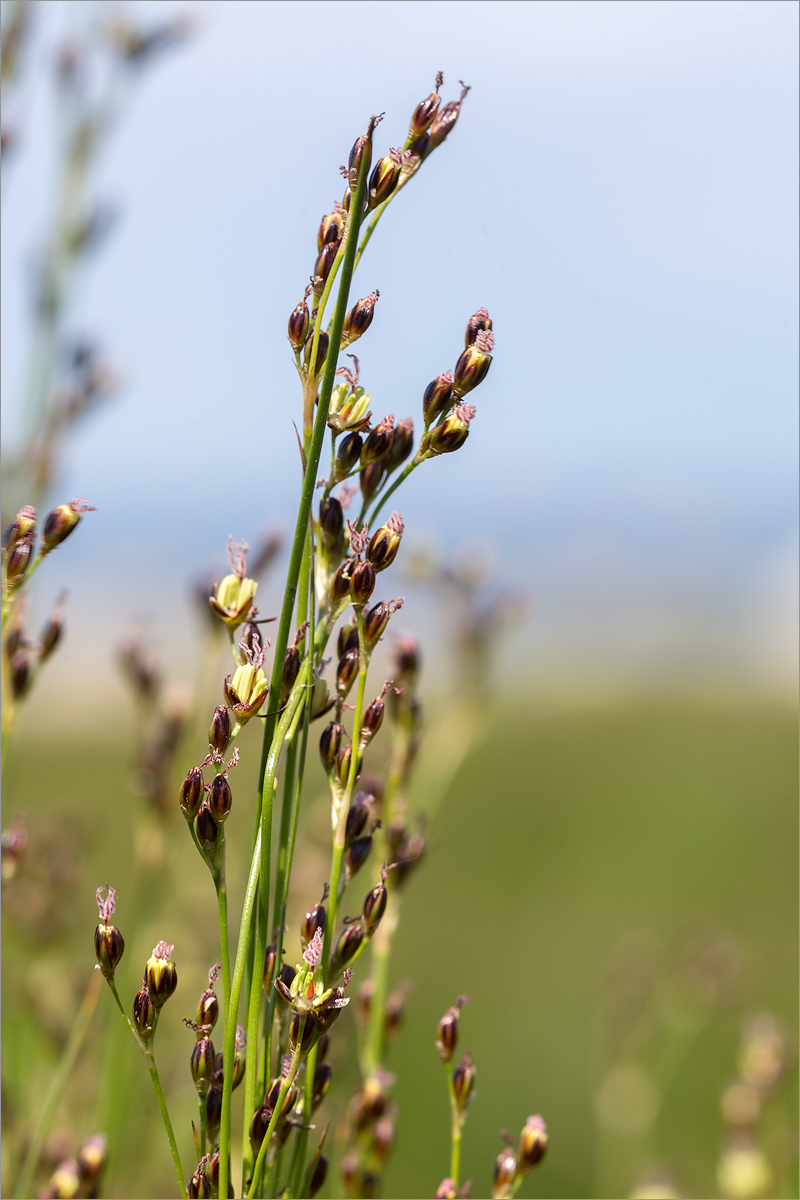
pixel 621 194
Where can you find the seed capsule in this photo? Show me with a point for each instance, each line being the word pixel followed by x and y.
pixel 207 1010
pixel 322 267
pixel 203 1063
pixel 331 229
pixel 446 119
pixel 473 365
pixel 505 1172
pixel 213 1109
pixel 312 921
pixel 357 815
pixel 346 672
pixel 330 743
pixel 60 523
pixel 207 830
pixel 374 907
pixel 360 153
pixel 385 542
pixel 109 946
pixel 340 584
pixel 144 1014
pixel 438 397
pixel 362 581
pixel 448 1030
pixel 348 945
pixel 220 798
pixel 383 180
pixel 19 672
pixel 359 319
pixel 464 1082
pixel 479 322
pixel 19 557
pixel 331 520
pixel 356 855
pixel 308 1033
pixel 378 441
pixel 371 479
pixel 424 114
pixel 322 352
pixel 51 634
pixel 192 792
pixel 219 731
pixel 298 326
pixel 318 1175
pixel 291 669
pixel 371 722
pixel 348 638
pixel 23 526
pixel 402 444
pixel 451 434
pixel 348 455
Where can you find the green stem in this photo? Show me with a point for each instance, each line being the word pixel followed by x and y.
pixel 222 909
pixel 384 496
pixel 337 855
pixel 287 1083
pixel 456 1126
pixel 261 854
pixel 63 1071
pixel 149 1058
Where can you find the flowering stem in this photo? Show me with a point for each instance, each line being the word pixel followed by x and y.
pixel 63 1071
pixel 287 1083
pixel 149 1058
pixel 222 908
pixel 337 856
pixel 456 1126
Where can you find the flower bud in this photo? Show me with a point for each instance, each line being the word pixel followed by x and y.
pixel 446 118
pixel 479 322
pixel 312 921
pixel 357 816
pixel 331 520
pixel 371 479
pixel 362 581
pixel 144 1014
pixel 18 558
pixel 473 365
pixel 219 731
pixel 448 1029
pixel 359 319
pixel 371 723
pixel 203 1064
pixel 375 621
pixel 532 1144
pixel 198 1187
pixel 438 397
pixel 348 946
pixel 207 1010
pixel 330 743
pixel 192 792
pixel 348 637
pixel 348 456
pixel 298 326
pixel 331 229
pixel 375 906
pixel 322 352
pixel 23 526
pixel 361 153
pixel 322 267
pixel 161 975
pixel 464 1082
pixel 346 672
pixel 60 523
pixel 402 444
pixel 318 1175
pixel 340 584
pixel 109 944
pixel 505 1172
pixel 383 180
pixel 220 798
pixel 423 115
pixel 378 441
pixel 19 672
pixel 451 434
pixel 356 855
pixel 213 1110
pixel 207 830
pixel 323 1074
pixel 385 542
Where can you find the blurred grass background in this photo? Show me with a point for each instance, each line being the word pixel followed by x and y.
pixel 627 865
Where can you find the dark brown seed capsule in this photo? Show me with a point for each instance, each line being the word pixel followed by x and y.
pixel 23 526
pixel 207 830
pixel 330 229
pixel 375 622
pixel 322 352
pixel 394 1013
pixel 19 558
pixel 340 584
pixel 361 153
pixel 356 855
pixel 464 1082
pixel 207 1010
pixel 385 542
pixel 402 444
pixel 192 792
pixel 451 434
pixel 371 479
pixel 203 1063
pixel 291 669
pixel 330 743
pixel 144 1014
pixel 473 365
pixel 505 1171
pixel 19 672
pixel 348 945
pixel 346 672
pixel 220 798
pixel 348 638
pixel 309 1031
pixel 383 180
pixel 446 119
pixel 318 1175
pixel 60 523
pixel 371 723
pixel 357 815
pixel 109 946
pixel 369 1105
pixel 362 581
pixel 213 1110
pixel 299 326
pixel 348 455
pixel 322 267
pixel 438 397
pixel 342 768
pixel 374 907
pixel 51 635
pixel 219 731
pixel 479 322
pixel 359 318
pixel 424 114
pixel 331 521
pixel 378 441
pixel 161 974
pixel 312 921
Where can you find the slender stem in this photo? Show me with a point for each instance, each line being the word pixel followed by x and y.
pixel 384 496
pixel 261 854
pixel 337 855
pixel 277 1111
pixel 149 1058
pixel 298 1162
pixel 456 1127
pixel 64 1069
pixel 222 908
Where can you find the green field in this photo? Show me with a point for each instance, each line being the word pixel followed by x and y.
pixel 615 886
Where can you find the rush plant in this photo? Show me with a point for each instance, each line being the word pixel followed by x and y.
pixel 262 1028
